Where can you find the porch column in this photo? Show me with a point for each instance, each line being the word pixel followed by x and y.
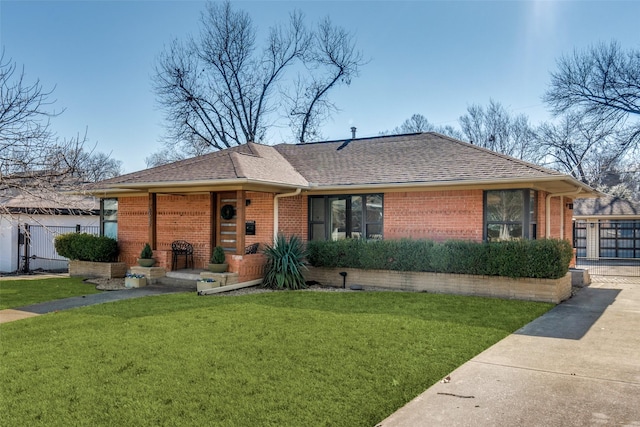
pixel 240 222
pixel 153 215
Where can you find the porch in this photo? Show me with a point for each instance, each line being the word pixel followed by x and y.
pixel 189 279
pixel 240 221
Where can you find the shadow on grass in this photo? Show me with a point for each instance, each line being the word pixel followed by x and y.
pixel 573 318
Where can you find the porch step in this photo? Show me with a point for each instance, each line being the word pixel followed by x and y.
pixel 182 279
pixel 184 274
pixel 176 283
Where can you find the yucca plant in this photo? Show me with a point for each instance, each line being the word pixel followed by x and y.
pixel 285 262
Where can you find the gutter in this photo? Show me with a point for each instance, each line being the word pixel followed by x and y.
pixel 548 210
pixel 275 210
pixel 145 186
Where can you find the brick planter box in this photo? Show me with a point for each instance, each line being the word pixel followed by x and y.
pixel 543 290
pixel 109 270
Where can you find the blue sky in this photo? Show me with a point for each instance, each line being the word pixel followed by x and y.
pixel 429 57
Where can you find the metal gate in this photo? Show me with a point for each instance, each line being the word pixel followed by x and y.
pixel 608 247
pixel 36 250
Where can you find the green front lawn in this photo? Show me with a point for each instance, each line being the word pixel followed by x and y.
pixel 18 293
pixel 288 358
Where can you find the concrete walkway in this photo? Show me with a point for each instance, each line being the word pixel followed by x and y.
pixel 81 301
pixel 578 365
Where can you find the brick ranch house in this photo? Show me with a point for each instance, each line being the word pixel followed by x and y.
pixel 422 185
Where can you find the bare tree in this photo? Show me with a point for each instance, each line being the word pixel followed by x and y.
pixel 576 147
pixel 34 162
pixel 172 153
pixel 415 123
pixel 220 89
pixel 495 128
pixel 333 50
pixel 27 143
pixel 419 123
pixel 602 84
pixel 92 166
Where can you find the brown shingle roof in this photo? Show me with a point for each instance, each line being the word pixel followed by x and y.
pixel 413 159
pixel 212 166
pixel 605 206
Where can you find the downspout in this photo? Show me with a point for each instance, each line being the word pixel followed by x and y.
pixel 548 210
pixel 275 210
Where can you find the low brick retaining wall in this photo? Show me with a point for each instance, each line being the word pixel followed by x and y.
pixel 109 270
pixel 543 290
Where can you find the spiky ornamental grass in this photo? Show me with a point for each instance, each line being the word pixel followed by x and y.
pixel 285 262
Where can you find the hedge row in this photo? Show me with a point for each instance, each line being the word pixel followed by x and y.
pixel 545 259
pixel 87 247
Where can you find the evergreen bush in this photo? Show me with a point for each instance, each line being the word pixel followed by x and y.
pixel 86 247
pixel 545 258
pixel 147 252
pixel 217 257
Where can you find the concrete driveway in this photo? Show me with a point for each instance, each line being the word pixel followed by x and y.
pixel 578 365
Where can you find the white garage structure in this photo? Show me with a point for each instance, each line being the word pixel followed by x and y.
pixel 28 227
pixel 606 232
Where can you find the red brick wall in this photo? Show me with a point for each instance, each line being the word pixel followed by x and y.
pixel 185 217
pixel 435 215
pixel 133 227
pixel 261 211
pixel 557 205
pixel 293 216
pixel 568 220
pixel 248 267
pixel 542 225
pixel 178 218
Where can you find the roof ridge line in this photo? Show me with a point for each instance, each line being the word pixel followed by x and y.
pixel 333 141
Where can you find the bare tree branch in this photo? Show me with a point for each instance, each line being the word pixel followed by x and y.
pixel 419 123
pixel 494 128
pixel 602 84
pixel 221 87
pixel 35 163
pixel 332 60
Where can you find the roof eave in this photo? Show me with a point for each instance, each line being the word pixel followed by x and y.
pixel 144 187
pixel 565 183
pixel 562 184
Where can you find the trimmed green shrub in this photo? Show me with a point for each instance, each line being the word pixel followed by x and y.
pixel 86 247
pixel 546 258
pixel 217 257
pixel 285 261
pixel 147 252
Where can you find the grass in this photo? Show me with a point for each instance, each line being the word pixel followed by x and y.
pixel 289 358
pixel 18 293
